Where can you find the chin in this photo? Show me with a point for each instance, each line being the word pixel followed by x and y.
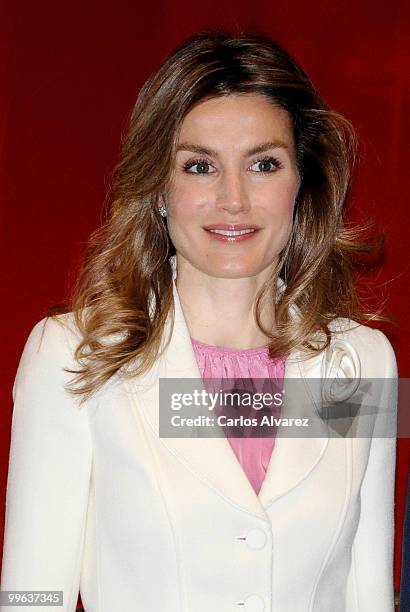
pixel 233 270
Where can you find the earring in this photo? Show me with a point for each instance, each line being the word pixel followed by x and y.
pixel 162 211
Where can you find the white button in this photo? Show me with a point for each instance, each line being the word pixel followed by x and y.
pixel 254 603
pixel 256 539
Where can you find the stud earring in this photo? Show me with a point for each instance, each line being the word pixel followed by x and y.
pixel 162 211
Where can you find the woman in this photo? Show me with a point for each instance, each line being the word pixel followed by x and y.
pixel 224 255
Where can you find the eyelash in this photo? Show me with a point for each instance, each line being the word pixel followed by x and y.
pixel 193 162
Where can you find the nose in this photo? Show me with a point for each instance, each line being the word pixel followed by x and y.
pixel 232 195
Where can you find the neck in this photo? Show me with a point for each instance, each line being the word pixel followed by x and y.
pixel 221 311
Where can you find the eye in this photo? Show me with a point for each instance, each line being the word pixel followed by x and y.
pixel 267 165
pixel 201 164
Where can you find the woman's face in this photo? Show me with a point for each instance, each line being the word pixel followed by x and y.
pixel 235 166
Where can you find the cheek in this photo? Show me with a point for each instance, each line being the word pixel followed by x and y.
pixel 185 203
pixel 280 202
pixel 182 213
pixel 279 206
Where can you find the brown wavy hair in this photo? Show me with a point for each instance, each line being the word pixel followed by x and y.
pixel 124 291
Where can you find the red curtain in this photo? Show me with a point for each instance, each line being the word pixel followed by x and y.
pixel 70 74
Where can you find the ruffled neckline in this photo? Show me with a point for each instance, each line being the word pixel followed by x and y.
pixel 229 351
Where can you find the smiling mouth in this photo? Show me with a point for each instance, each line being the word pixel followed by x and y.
pixel 232 236
pixel 231 232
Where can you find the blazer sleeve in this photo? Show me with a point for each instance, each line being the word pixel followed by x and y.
pixel 49 471
pixel 370 583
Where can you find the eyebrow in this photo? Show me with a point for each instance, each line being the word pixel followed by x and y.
pixel 260 148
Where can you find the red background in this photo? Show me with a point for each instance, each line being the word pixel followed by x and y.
pixel 71 73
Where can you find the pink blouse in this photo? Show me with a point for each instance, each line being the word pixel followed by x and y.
pixel 217 362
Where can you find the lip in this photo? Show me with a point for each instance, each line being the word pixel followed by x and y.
pixel 231 226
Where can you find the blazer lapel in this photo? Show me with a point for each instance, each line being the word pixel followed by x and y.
pixel 294 458
pixel 212 459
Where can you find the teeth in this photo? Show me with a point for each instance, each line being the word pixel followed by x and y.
pixel 232 233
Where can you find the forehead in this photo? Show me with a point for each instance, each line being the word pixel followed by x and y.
pixel 239 117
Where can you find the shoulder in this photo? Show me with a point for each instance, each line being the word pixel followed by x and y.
pixel 371 345
pixel 49 347
pixel 58 333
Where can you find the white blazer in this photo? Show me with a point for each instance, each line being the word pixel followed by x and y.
pixel 97 501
